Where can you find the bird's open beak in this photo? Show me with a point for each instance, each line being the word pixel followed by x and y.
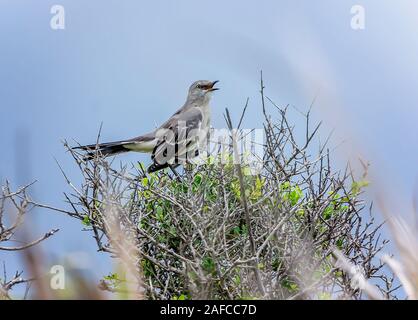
pixel 212 86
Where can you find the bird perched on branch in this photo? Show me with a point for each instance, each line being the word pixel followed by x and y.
pixel 176 141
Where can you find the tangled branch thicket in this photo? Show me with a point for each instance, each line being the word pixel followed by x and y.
pixel 14 205
pixel 215 232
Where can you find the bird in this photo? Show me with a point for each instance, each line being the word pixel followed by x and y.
pixel 178 140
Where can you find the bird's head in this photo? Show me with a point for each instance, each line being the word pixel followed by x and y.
pixel 202 89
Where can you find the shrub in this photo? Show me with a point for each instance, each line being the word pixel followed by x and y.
pixel 214 232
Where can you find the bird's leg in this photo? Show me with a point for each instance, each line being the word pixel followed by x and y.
pixel 189 164
pixel 142 169
pixel 175 173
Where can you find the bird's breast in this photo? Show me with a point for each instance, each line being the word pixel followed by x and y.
pixel 205 116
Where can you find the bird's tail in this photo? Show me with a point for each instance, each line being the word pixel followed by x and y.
pixel 102 149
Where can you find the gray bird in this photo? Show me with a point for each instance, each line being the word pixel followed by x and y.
pixel 177 140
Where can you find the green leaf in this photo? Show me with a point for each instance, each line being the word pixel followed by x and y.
pixel 111 277
pixel 237 230
pixel 276 264
pixel 295 195
pixel 145 182
pixel 208 264
pixel 340 243
pixel 86 221
pixel 197 181
pixel 237 279
pixel 328 212
pixel 159 213
pixel 300 213
pixel 235 187
pixel 324 296
pixel 246 171
pixel 285 186
pixel 244 229
pixel 290 285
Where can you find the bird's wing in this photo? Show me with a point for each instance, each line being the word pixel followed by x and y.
pixel 176 137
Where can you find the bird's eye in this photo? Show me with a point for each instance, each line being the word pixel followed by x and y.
pixel 199 86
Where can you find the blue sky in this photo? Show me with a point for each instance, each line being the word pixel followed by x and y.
pixel 125 62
